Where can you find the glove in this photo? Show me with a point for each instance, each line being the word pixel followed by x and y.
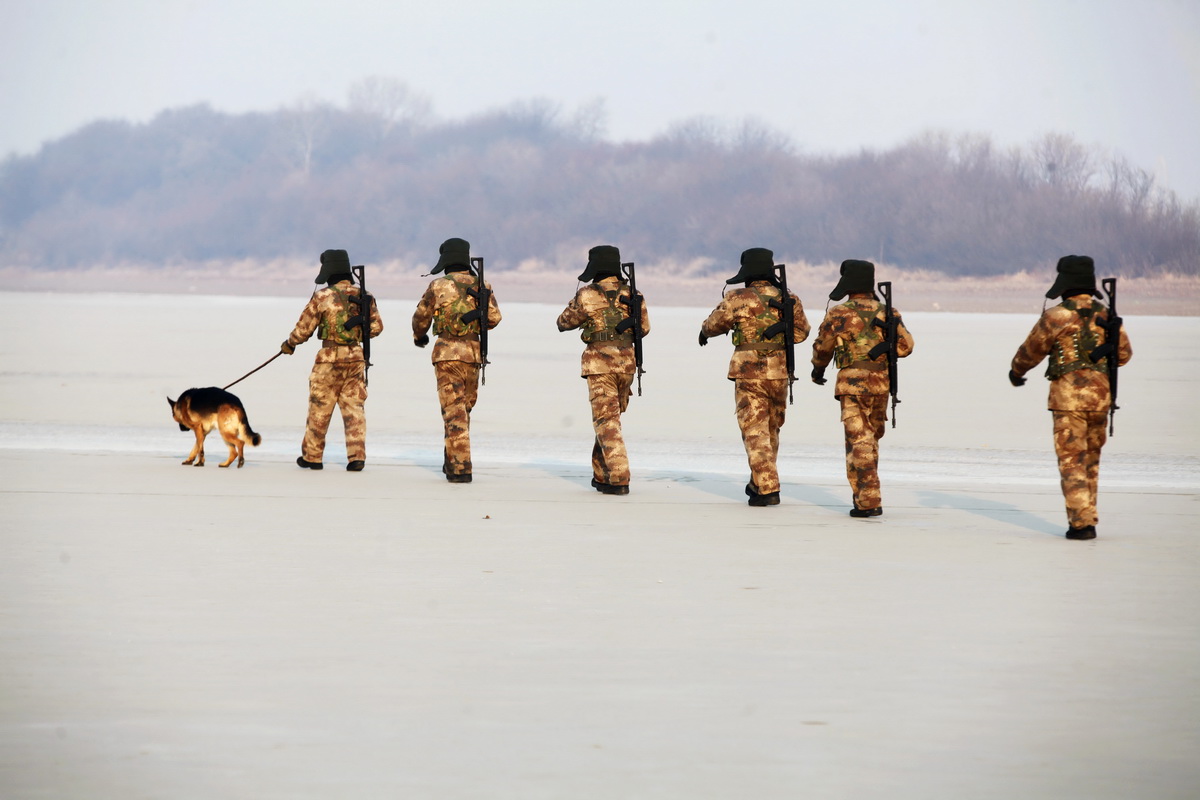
pixel 703 339
pixel 287 348
pixel 1015 379
pixel 818 376
pixel 422 340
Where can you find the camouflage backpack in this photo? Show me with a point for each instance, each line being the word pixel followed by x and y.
pixel 335 330
pixel 1073 352
pixel 603 327
pixel 753 334
pixel 854 350
pixel 447 318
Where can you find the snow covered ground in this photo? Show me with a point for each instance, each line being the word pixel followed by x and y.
pixel 167 631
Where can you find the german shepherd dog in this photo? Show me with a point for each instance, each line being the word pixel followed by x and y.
pixel 200 410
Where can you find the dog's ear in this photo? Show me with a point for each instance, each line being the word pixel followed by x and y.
pixel 172 402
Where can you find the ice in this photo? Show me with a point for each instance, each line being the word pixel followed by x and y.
pixel 169 631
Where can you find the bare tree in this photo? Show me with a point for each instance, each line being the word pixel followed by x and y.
pixel 388 103
pixel 590 120
pixel 1064 162
pixel 305 124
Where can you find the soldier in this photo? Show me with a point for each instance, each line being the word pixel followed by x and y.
pixel 850 335
pixel 450 306
pixel 608 361
pixel 339 373
pixel 758 367
pixel 1070 333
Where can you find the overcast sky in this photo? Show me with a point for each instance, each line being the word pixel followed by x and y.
pixel 834 76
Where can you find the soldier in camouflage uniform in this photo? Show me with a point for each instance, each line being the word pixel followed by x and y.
pixel 339 373
pixel 847 336
pixel 450 306
pixel 608 361
pixel 1069 333
pixel 758 367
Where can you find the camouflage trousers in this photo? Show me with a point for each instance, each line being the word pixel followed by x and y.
pixel 609 395
pixel 761 405
pixel 863 417
pixel 458 389
pixel 339 384
pixel 1078 437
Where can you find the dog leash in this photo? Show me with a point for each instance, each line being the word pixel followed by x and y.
pixel 256 369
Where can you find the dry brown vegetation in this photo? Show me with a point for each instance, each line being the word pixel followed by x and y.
pixel 530 186
pixel 664 284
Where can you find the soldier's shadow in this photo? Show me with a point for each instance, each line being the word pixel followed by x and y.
pixel 990 509
pixel 719 485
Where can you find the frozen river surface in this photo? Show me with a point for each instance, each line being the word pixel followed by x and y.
pixel 271 632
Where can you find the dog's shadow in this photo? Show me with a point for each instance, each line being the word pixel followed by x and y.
pixel 989 509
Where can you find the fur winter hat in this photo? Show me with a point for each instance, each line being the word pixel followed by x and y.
pixel 858 277
pixel 334 264
pixel 1076 275
pixel 758 264
pixel 603 260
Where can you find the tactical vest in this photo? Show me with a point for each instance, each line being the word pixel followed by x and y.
pixel 855 349
pixel 447 318
pixel 1073 352
pixel 750 331
pixel 334 330
pixel 601 325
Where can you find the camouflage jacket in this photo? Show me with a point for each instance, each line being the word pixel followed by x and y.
pixel 441 305
pixel 1067 337
pixel 846 335
pixel 587 310
pixel 747 313
pixel 326 314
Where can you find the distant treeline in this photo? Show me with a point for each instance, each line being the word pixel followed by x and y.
pixel 384 181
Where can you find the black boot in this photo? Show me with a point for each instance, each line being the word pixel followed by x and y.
pixel 1086 532
pixel 609 488
pixel 355 466
pixel 866 512
pixel 756 499
pixel 309 464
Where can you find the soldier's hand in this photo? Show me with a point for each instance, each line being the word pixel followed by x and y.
pixel 818 376
pixel 703 339
pixel 1015 379
pixel 287 348
pixel 422 340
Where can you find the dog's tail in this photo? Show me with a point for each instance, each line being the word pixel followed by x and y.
pixel 255 439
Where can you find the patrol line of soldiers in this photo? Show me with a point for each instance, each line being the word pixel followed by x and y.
pixel 850 336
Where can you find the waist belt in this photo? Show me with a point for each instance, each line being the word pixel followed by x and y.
pixel 466 337
pixel 605 336
pixel 759 346
pixel 870 366
pixel 332 343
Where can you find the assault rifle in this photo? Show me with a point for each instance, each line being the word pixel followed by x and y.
pixel 891 340
pixel 363 317
pixel 1110 350
pixel 786 325
pixel 483 300
pixel 634 320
